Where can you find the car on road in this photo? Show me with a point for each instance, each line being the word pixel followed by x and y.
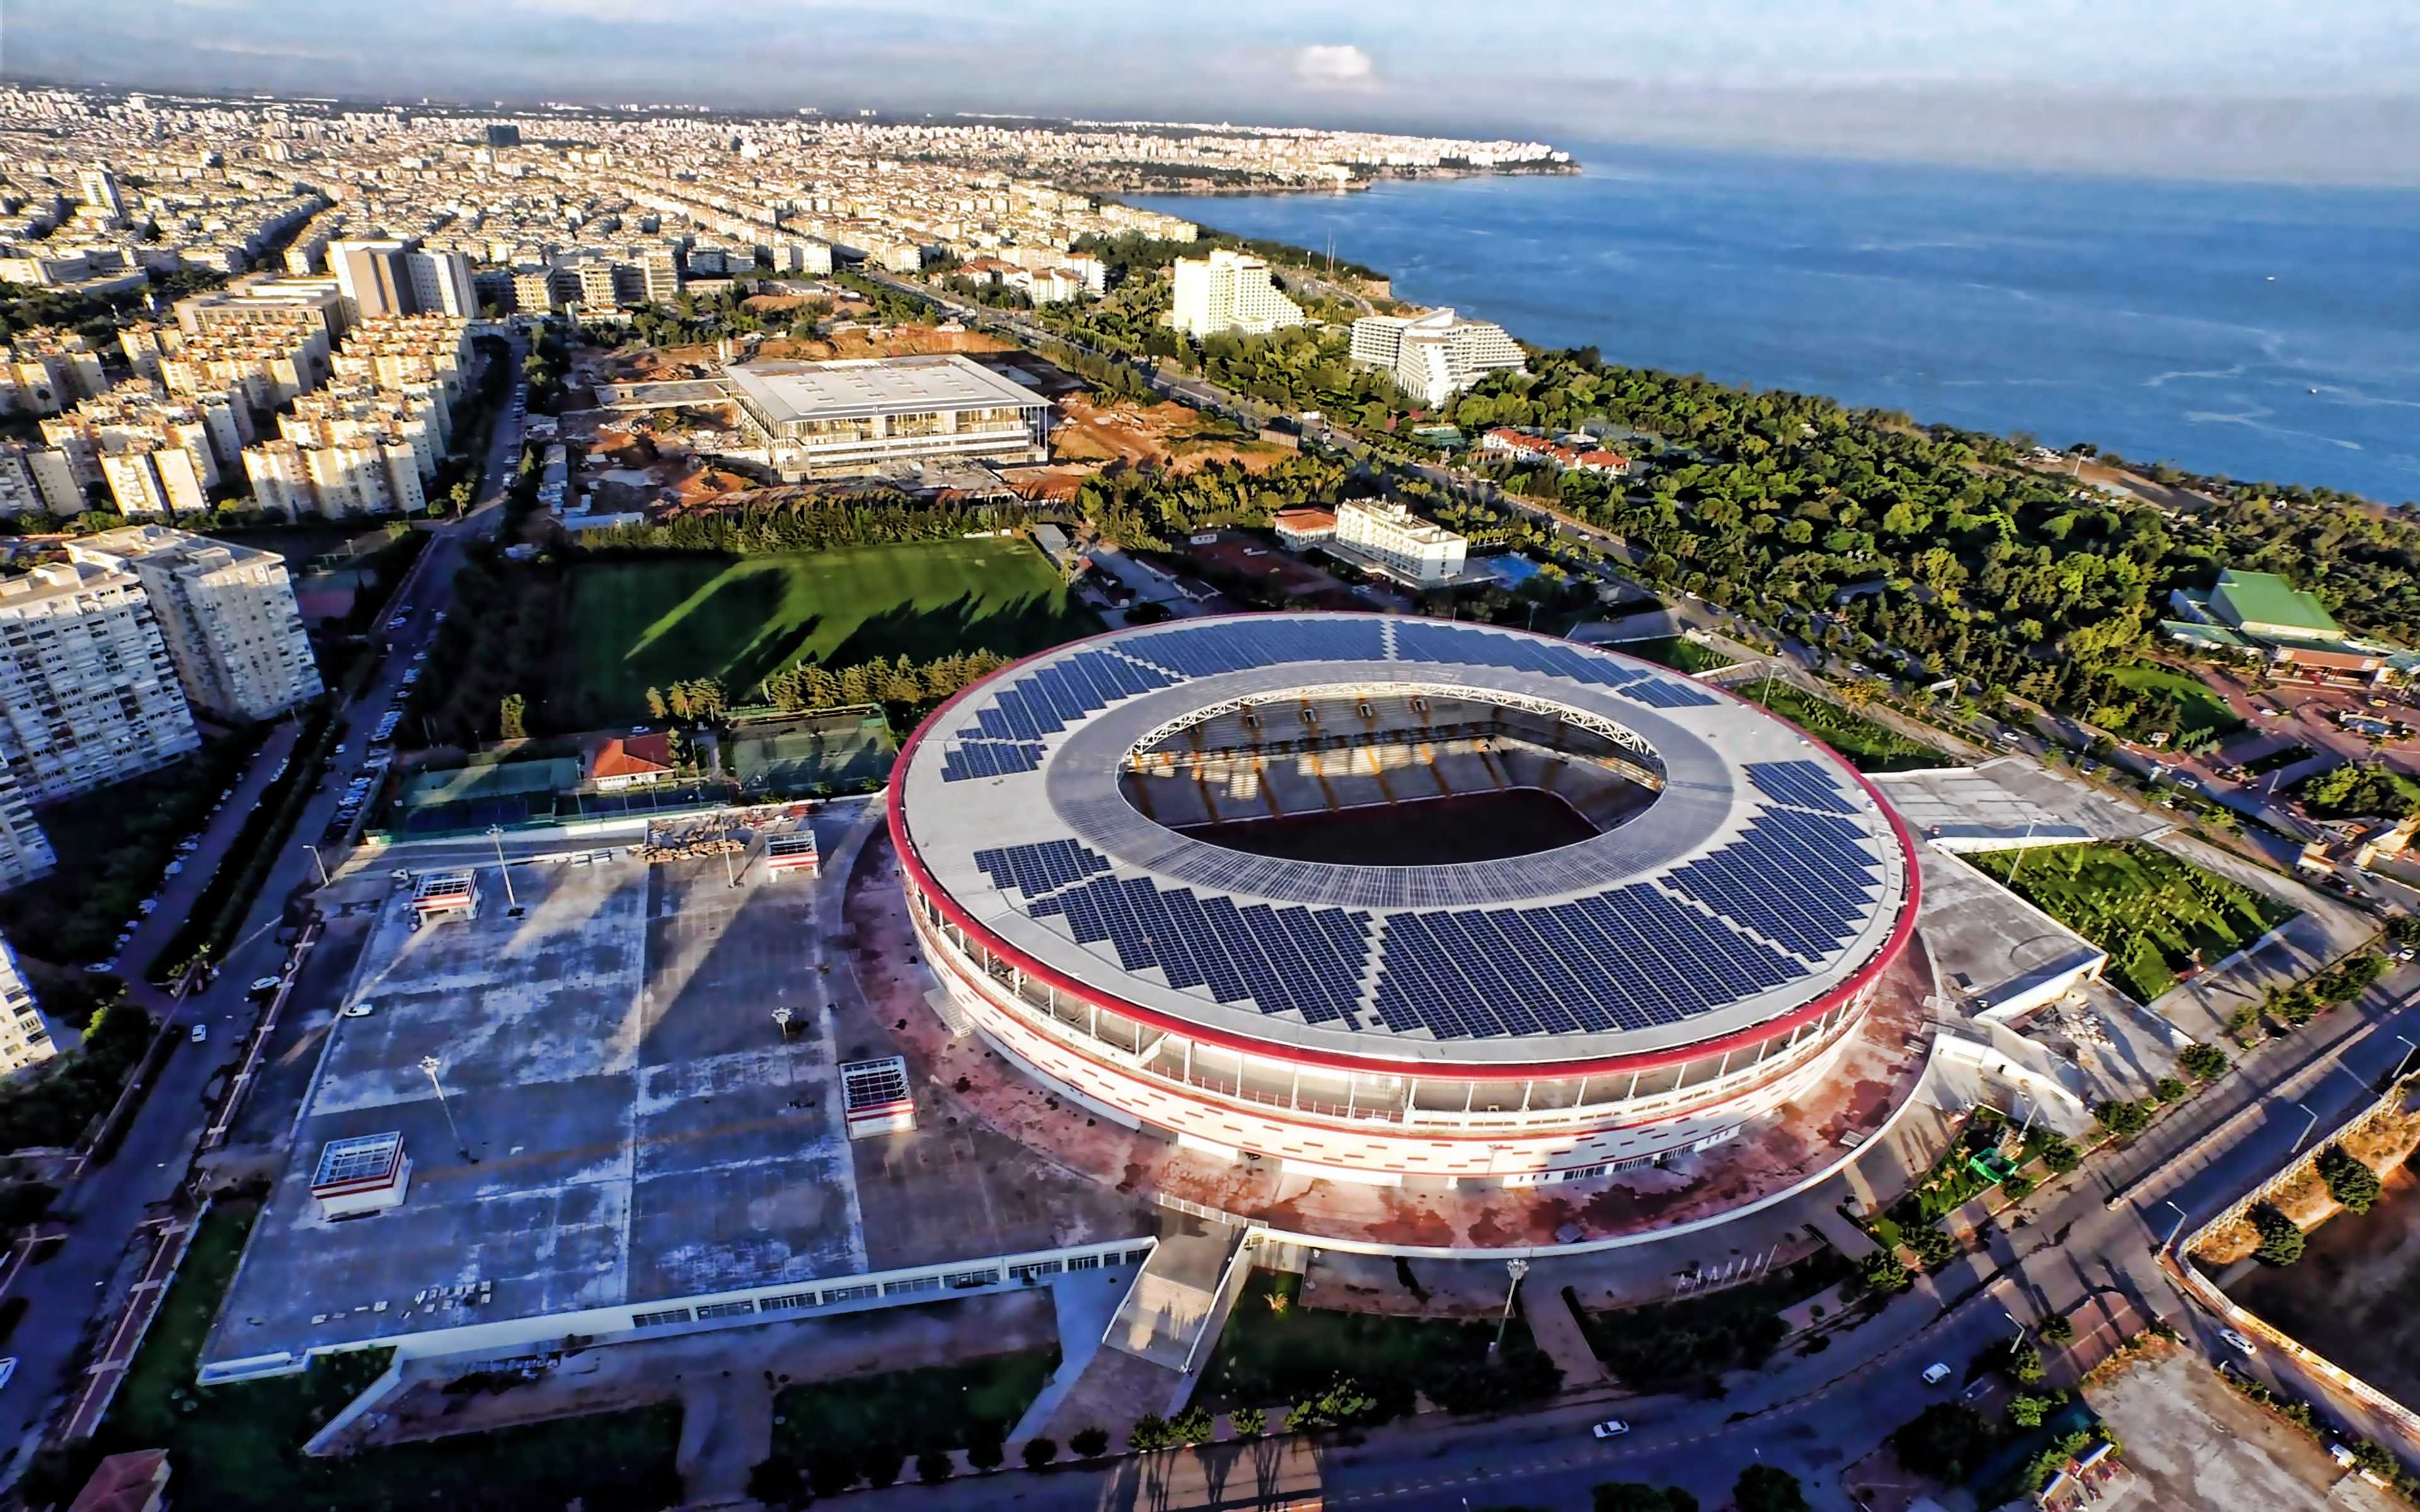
pixel 1935 1373
pixel 1612 1427
pixel 201 1032
pixel 262 986
pixel 2238 1342
pixel 360 1010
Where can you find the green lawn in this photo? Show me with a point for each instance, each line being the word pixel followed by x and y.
pixel 1276 1350
pixel 2172 703
pixel 910 1408
pixel 2151 911
pixel 1867 745
pixel 1679 653
pixel 240 1446
pixel 637 623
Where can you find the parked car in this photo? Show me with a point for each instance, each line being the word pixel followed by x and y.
pixel 1935 1373
pixel 360 1010
pixel 1612 1427
pixel 262 986
pixel 201 1032
pixel 2238 1342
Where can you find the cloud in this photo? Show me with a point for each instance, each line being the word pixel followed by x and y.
pixel 1339 67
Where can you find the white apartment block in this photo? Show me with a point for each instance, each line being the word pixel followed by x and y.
pixel 154 479
pixel 1394 540
pixel 358 474
pixel 88 693
pixel 660 269
pixel 226 614
pixel 1227 291
pixel 38 479
pixel 25 1039
pixel 25 851
pixel 441 285
pixel 1433 357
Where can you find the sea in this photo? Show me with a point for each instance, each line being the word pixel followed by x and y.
pixel 2261 331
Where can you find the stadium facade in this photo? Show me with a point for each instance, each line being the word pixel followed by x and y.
pixel 1380 898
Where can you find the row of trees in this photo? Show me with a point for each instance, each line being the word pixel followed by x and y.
pixel 1151 508
pixel 904 687
pixel 809 522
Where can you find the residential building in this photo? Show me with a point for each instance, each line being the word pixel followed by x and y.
pixel 844 418
pixel 38 479
pixel 98 187
pixel 441 285
pixel 131 1482
pixel 533 290
pixel 597 286
pixel 660 269
pixel 25 1039
pixel 154 479
pixel 88 693
pixel 1435 356
pixel 374 276
pixel 621 761
pixel 1227 291
pixel 226 614
pixel 1520 446
pixel 1390 538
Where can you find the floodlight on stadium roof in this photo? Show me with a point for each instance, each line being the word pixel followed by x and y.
pixel 1744 894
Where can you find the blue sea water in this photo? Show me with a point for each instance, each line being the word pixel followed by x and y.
pixel 2258 331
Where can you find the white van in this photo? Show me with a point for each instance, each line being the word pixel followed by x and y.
pixel 1935 1373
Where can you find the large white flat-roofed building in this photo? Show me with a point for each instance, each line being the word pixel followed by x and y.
pixel 1435 356
pixel 834 419
pixel 1229 292
pixel 1392 539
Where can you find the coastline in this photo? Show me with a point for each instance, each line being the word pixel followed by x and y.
pixel 1385 176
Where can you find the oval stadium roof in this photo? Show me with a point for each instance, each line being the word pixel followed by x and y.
pixel 1764 882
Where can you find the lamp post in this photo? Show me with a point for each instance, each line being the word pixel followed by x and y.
pixel 2310 1121
pixel 1516 1269
pixel 781 1017
pixel 316 861
pixel 2177 1229
pixel 512 905
pixel 428 1064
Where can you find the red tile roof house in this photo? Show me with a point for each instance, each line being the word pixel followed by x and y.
pixel 134 1482
pixel 629 761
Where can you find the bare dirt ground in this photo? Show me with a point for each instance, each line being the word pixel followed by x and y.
pixel 2197 1444
pixel 2349 1296
pixel 1157 435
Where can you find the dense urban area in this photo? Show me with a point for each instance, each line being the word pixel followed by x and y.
pixel 703 811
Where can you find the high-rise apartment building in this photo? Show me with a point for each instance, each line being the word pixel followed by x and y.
pixel 226 614
pixel 1227 291
pixel 660 272
pixel 1433 357
pixel 374 276
pixel 98 187
pixel 441 285
pixel 38 479
pixel 25 1040
pixel 154 479
pixel 88 693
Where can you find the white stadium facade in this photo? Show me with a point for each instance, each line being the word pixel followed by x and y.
pixel 1379 898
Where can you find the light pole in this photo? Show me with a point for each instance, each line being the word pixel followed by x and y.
pixel 781 1017
pixel 512 905
pixel 1516 1269
pixel 428 1064
pixel 730 877
pixel 2310 1121
pixel 2176 1230
pixel 316 861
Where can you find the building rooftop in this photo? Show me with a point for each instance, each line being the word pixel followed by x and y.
pixel 2265 598
pixel 864 387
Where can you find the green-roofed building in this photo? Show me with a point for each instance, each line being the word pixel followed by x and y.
pixel 2262 614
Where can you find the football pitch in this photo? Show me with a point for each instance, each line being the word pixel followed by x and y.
pixel 650 622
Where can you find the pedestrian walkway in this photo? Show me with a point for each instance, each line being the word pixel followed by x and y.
pixel 1084 1308
pixel 1557 1330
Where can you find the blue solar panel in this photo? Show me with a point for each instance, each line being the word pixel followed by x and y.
pixel 1809 905
pixel 988 757
pixel 1809 784
pixel 1207 650
pixel 1045 701
pixel 1284 960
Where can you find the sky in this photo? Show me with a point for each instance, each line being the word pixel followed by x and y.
pixel 2322 90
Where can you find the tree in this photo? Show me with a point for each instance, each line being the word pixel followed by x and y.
pixel 1039 1453
pixel 2281 1239
pixel 1637 1496
pixel 1884 1274
pixel 830 1469
pixel 2022 1361
pixel 776 1481
pixel 2202 1062
pixel 657 708
pixel 1249 1422
pixel 2123 1117
pixel 984 1448
pixel 1762 1487
pixel 883 1463
pixel 1089 1444
pixel 2170 1090
pixel 934 1465
pixel 2056 1328
pixel 512 718
pixel 1941 1442
pixel 2017 1186
pixel 1149 1432
pixel 2027 1411
pixel 2352 1183
pixel 2059 1155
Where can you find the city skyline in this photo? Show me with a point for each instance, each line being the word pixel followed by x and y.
pixel 2319 94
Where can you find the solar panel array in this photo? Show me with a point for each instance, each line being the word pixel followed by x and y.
pixel 1305 961
pixel 1803 879
pixel 1419 640
pixel 1629 958
pixel 1049 699
pixel 1809 784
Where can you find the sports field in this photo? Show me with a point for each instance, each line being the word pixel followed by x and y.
pixel 650 622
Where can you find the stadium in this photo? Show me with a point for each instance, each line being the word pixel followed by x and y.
pixel 1374 899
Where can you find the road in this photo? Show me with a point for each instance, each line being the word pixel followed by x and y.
pixel 103 1206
